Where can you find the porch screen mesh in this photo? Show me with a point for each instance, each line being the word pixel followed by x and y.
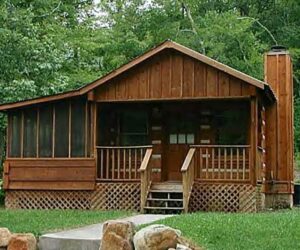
pixel 30 120
pixel 62 129
pixel 15 134
pixel 45 131
pixel 78 129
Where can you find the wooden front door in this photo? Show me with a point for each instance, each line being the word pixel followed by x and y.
pixel 180 133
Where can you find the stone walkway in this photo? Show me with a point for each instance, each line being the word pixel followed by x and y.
pixel 88 237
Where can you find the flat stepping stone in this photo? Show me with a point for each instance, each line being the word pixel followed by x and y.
pixel 88 237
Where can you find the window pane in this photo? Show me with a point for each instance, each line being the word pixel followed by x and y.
pixel 78 128
pixel 133 140
pixel 232 126
pixel 134 122
pixel 15 135
pixel 62 129
pixel 181 139
pixel 173 138
pixel 45 131
pixel 190 138
pixel 30 117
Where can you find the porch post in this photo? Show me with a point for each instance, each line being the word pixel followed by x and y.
pixel 253 140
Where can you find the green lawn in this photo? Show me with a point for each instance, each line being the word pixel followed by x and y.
pixel 41 221
pixel 269 230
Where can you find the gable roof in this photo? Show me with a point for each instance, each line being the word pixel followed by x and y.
pixel 165 45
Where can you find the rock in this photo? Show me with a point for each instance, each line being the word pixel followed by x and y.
pixel 22 242
pixel 5 236
pixel 182 247
pixel 156 237
pixel 117 235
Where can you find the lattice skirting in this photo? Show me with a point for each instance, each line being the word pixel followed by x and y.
pixel 18 199
pixel 117 196
pixel 223 197
pixel 106 196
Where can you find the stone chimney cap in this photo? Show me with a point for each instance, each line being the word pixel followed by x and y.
pixel 278 48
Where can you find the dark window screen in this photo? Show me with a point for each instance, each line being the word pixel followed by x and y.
pixel 30 118
pixel 45 131
pixel 62 130
pixel 78 128
pixel 15 134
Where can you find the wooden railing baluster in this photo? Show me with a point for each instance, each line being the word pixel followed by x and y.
pixel 119 163
pixel 222 162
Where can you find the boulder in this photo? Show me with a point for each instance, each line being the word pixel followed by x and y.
pixel 117 235
pixel 156 237
pixel 182 247
pixel 22 242
pixel 5 236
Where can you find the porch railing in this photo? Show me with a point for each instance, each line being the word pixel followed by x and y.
pixel 222 162
pixel 145 171
pixel 120 163
pixel 188 176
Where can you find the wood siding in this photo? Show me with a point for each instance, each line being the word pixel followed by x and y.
pixel 279 121
pixel 50 174
pixel 172 75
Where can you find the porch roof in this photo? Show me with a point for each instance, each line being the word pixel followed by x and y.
pixel 267 90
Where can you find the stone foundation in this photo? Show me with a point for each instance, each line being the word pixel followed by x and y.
pixel 278 201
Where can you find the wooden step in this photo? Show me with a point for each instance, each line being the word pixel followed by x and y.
pixel 164 208
pixel 164 191
pixel 167 186
pixel 162 199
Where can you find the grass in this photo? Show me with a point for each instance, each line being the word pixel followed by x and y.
pixel 269 230
pixel 42 221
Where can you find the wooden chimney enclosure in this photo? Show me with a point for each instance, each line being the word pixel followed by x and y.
pixel 171 131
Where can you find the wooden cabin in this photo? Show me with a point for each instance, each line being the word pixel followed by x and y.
pixel 172 130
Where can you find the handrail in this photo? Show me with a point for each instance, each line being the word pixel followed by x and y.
pixel 187 160
pixel 188 176
pixel 220 146
pixel 145 173
pixel 125 147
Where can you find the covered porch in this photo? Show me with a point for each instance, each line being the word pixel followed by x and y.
pixel 177 144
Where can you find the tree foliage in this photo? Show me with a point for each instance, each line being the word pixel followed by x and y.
pixel 52 46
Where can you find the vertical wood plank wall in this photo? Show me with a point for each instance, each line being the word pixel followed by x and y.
pixel 172 75
pixel 279 120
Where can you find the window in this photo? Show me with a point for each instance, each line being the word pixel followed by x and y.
pixel 15 134
pixel 30 119
pixel 232 127
pixel 133 128
pixel 33 131
pixel 45 131
pixel 78 129
pixel 62 129
pixel 182 130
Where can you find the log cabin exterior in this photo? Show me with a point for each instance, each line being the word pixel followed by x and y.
pixel 172 130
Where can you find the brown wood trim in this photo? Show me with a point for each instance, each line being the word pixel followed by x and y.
pixel 117 180
pixel 53 131
pixel 70 128
pixel 220 146
pixel 237 98
pixel 49 159
pixel 222 181
pixel 124 147
pixel 22 134
pixel 37 131
pixel 8 135
pixel 51 174
pixel 86 130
